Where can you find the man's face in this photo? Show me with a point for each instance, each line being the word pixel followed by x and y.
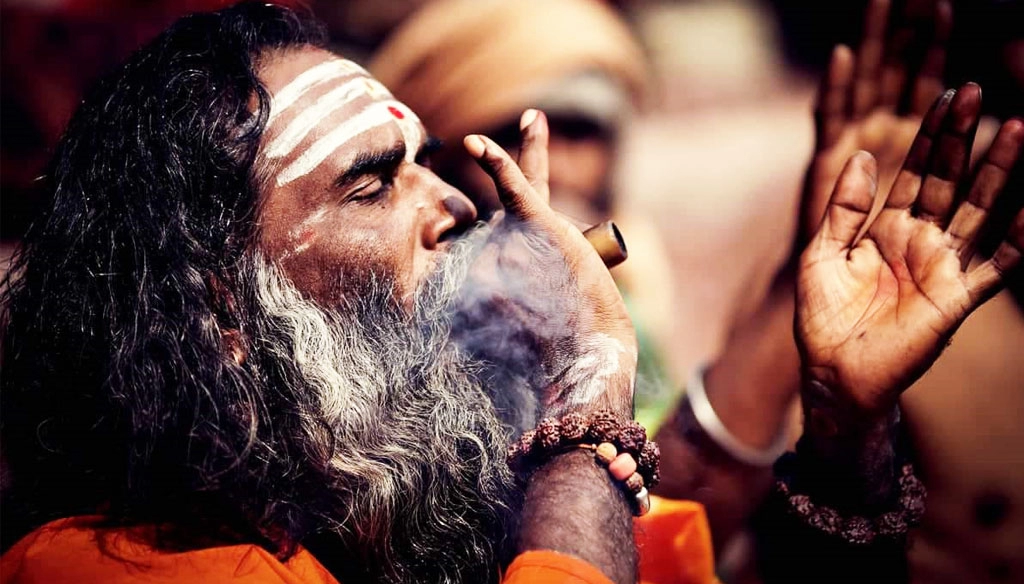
pixel 348 196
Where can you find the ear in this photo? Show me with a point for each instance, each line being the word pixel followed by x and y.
pixel 223 303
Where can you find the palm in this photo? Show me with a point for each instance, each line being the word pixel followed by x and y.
pixel 902 283
pixel 886 135
pixel 883 133
pixel 868 103
pixel 873 313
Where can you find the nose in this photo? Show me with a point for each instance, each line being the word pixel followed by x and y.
pixel 457 215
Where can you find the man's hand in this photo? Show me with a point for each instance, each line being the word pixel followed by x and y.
pixel 873 312
pixel 544 273
pixel 875 101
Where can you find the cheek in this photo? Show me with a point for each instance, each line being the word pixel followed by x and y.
pixel 330 261
pixel 367 247
pixel 384 250
pixel 392 246
pixel 306 235
pixel 335 252
pixel 357 250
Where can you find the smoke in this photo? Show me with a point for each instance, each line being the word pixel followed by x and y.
pixel 518 313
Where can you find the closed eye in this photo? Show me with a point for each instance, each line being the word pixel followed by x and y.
pixel 370 189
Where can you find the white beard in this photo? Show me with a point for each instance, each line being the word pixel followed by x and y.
pixel 418 487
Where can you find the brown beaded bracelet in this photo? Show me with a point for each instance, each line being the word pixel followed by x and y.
pixel 860 530
pixel 603 433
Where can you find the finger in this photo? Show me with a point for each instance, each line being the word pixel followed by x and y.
pixel 850 204
pixel 514 190
pixel 986 279
pixel 533 156
pixel 929 83
pixel 908 182
pixel 950 156
pixel 578 224
pixel 834 97
pixel 993 173
pixel 894 71
pixel 869 59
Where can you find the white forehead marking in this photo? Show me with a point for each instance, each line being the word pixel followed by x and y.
pixel 411 133
pixel 372 116
pixel 326 71
pixel 327 104
pixel 308 118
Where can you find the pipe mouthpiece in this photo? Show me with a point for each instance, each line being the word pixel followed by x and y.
pixel 608 242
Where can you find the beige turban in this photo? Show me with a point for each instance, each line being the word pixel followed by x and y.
pixel 470 65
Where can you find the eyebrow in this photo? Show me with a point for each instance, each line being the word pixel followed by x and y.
pixel 431 145
pixel 383 161
pixel 372 162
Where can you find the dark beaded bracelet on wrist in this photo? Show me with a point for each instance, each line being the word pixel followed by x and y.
pixel 860 530
pixel 612 440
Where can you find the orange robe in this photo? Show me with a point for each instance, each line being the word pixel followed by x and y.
pixel 673 540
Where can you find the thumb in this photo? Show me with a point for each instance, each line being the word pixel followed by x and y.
pixel 850 204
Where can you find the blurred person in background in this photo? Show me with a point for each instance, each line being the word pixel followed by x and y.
pixel 472 66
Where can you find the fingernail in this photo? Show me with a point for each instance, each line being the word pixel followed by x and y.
pixel 864 156
pixel 474 145
pixel 529 116
pixel 948 96
pixel 867 162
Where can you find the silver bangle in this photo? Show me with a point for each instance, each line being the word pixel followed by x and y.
pixel 716 430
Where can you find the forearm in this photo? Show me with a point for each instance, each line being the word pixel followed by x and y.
pixel 696 469
pixel 753 383
pixel 751 388
pixel 827 523
pixel 574 507
pixel 850 458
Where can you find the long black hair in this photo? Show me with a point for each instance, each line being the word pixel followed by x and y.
pixel 118 394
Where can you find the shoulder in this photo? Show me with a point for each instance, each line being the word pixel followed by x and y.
pixel 77 550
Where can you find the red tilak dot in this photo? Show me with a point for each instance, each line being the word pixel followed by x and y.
pixel 396 112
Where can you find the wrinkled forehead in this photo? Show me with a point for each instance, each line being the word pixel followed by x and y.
pixel 325 109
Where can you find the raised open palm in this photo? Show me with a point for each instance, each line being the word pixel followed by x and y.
pixel 875 101
pixel 876 306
